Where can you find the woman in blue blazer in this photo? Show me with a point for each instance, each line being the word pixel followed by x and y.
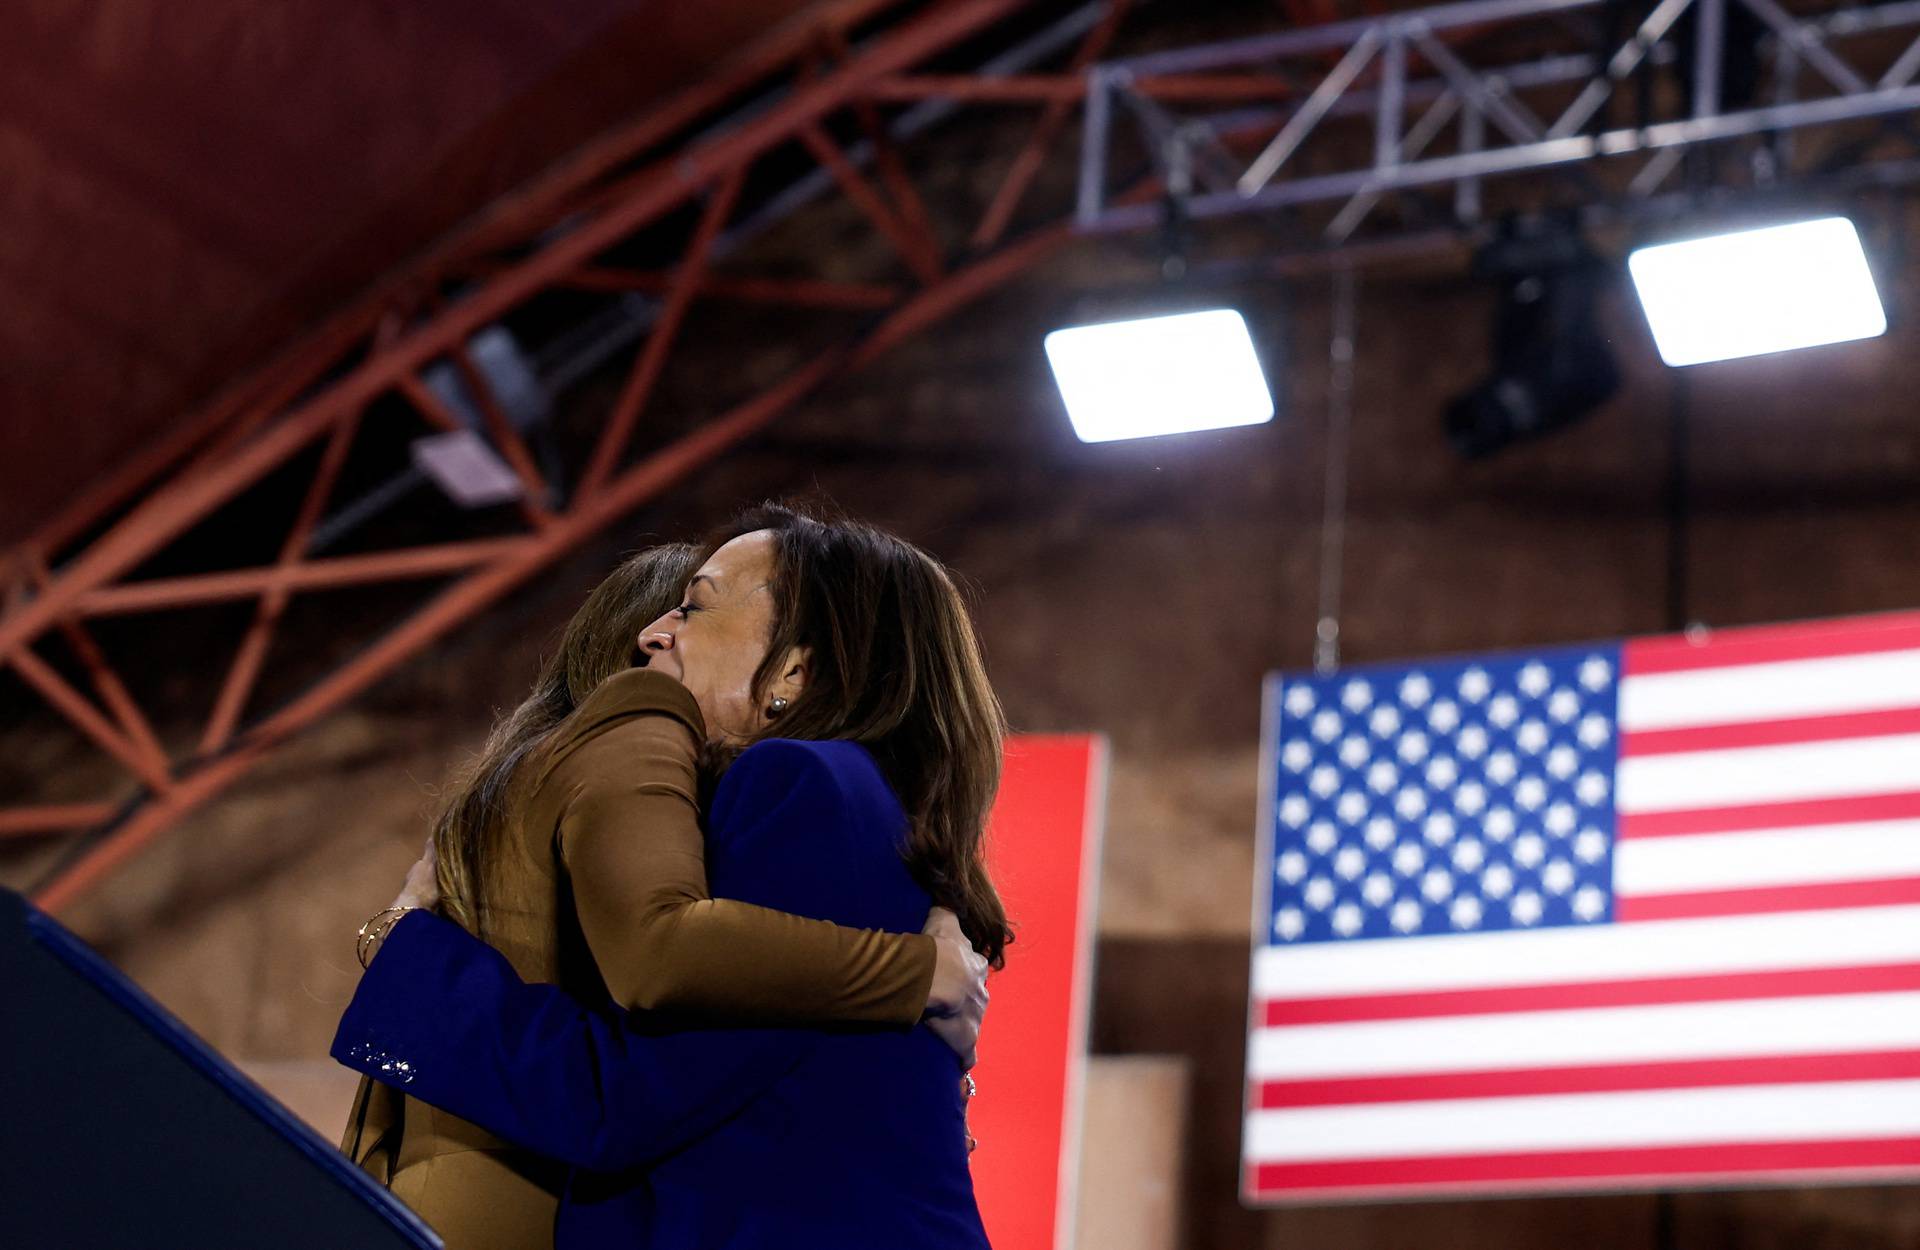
pixel 866 815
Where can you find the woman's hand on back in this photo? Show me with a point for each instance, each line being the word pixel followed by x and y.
pixel 957 1004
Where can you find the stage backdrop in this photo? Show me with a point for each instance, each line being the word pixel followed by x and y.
pixel 1628 915
pixel 1044 853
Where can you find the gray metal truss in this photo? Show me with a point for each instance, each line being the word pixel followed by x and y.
pixel 1442 119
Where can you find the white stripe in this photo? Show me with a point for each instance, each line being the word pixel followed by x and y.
pixel 1775 774
pixel 1667 1117
pixel 1767 857
pixel 1785 689
pixel 1822 1024
pixel 1655 948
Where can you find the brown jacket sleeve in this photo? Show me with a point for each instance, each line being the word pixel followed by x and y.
pixel 623 788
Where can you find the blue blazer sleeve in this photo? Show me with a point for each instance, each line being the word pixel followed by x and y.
pixel 801 827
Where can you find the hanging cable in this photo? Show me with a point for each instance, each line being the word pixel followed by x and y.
pixel 1333 521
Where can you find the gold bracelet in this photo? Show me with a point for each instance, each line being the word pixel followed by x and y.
pixel 373 932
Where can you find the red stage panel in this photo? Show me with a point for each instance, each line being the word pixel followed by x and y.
pixel 1045 851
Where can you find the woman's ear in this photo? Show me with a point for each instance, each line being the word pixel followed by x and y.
pixel 794 672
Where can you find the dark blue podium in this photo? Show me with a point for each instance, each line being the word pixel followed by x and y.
pixel 120 1128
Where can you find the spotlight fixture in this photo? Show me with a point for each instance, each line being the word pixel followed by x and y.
pixel 1551 364
pixel 1727 296
pixel 1159 375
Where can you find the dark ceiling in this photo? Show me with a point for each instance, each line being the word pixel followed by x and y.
pixel 188 186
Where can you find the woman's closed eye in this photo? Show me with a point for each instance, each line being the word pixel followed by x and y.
pixel 687 609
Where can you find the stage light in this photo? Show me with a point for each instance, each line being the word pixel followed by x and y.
pixel 1159 375
pixel 1758 291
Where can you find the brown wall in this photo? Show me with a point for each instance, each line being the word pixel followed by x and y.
pixel 1142 590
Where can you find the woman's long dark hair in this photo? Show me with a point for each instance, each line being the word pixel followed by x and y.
pixel 894 665
pixel 599 641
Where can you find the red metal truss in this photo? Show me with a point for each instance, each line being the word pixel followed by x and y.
pixel 554 236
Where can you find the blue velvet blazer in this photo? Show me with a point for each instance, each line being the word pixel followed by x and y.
pixel 705 1138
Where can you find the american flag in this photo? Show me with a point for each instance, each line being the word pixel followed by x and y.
pixel 1630 915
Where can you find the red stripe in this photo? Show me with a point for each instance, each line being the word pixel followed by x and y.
pixel 1766 644
pixel 1769 816
pixel 1510 1083
pixel 1640 992
pixel 1745 1161
pixel 1821 897
pixel 1769 733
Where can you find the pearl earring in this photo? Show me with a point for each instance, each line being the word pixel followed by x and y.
pixel 778 706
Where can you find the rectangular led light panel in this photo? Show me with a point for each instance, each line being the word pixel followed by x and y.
pixel 1159 375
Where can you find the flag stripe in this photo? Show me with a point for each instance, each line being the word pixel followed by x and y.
pixel 1734 817
pixel 1499 1082
pixel 1745 1161
pixel 1764 692
pixel 1772 898
pixel 1763 644
pixel 1614 1120
pixel 1595 953
pixel 1587 1036
pixel 1760 857
pixel 1778 774
pixel 1635 992
pixel 1771 732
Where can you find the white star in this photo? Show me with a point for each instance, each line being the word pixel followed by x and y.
pixel 1595 673
pixel 1499 824
pixel 1382 776
pixel 1324 780
pixel 1562 760
pixel 1529 849
pixel 1475 685
pixel 1350 862
pixel 1346 919
pixel 1470 798
pixel 1413 746
pixel 1504 710
pixel 1591 846
pixel 1321 838
pixel 1377 889
pixel 1318 894
pixel 1591 789
pixel 1444 716
pixel 1380 833
pixel 1532 737
pixel 1530 793
pixel 1436 885
pixel 1408 858
pixel 1416 690
pixel 1465 912
pixel 1291 866
pixel 1497 881
pixel 1473 742
pixel 1593 731
pixel 1560 819
pixel 1501 767
pixel 1294 810
pixel 1589 902
pixel 1406 915
pixel 1356 696
pixel 1526 907
pixel 1296 755
pixel 1534 680
pixel 1558 877
pixel 1442 772
pixel 1352 807
pixel 1299 701
pixel 1354 751
pixel 1564 705
pixel 1288 923
pixel 1409 803
pixel 1467 856
pixel 1326 725
pixel 1439 829
pixel 1385 720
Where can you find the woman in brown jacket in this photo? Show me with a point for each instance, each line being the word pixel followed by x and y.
pixel 573 845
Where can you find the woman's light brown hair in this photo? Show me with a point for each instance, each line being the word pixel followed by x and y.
pixel 895 666
pixel 597 643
